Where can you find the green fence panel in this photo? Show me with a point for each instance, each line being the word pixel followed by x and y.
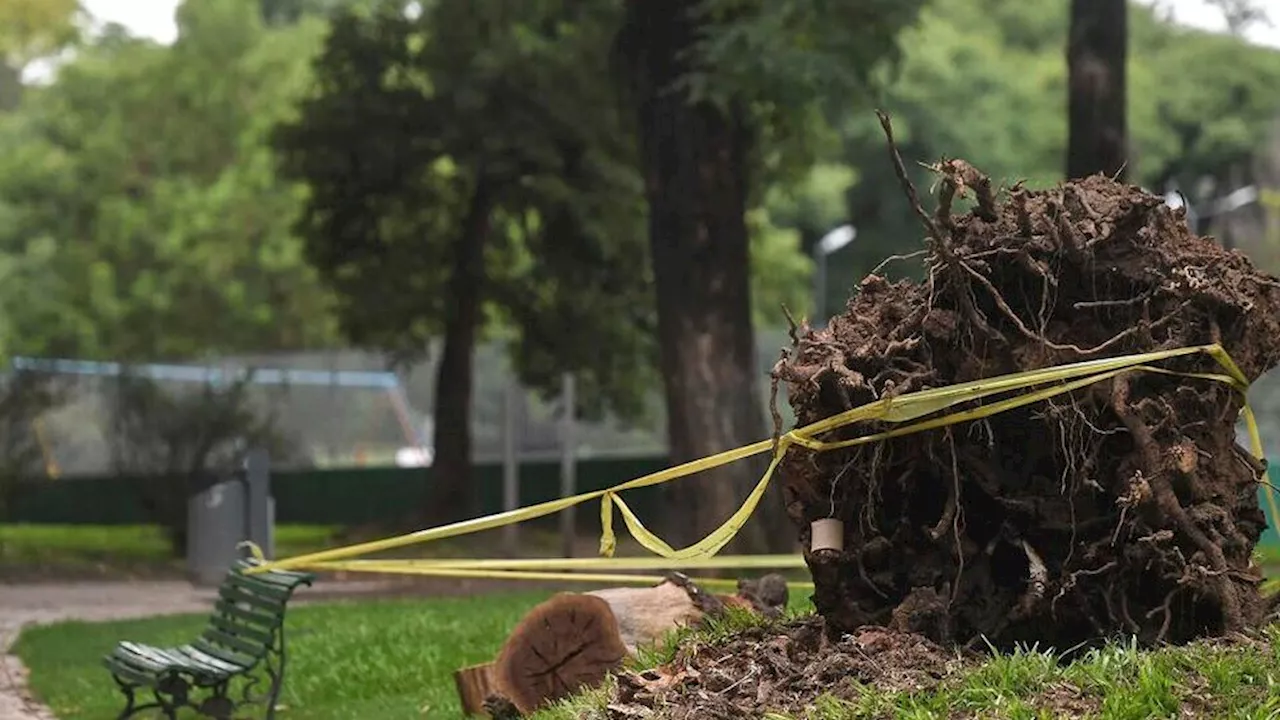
pixel 368 495
pixel 352 496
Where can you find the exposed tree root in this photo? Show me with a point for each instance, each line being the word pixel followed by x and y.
pixel 1123 507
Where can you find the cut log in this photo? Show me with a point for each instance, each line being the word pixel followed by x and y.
pixel 574 640
pixel 563 644
pixel 475 684
pixel 644 615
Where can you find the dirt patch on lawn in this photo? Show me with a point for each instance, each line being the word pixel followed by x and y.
pixel 782 668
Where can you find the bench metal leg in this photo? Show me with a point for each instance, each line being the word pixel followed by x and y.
pixel 176 689
pixel 129 698
pixel 270 671
pixel 218 705
pixel 276 673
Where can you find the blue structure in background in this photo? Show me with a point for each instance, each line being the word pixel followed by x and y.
pixel 213 375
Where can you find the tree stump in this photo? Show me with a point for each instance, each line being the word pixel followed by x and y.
pixel 570 641
pixel 574 640
pixel 475 684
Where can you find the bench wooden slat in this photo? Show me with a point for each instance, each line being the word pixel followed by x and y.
pixel 146 663
pixel 268 623
pixel 136 666
pixel 261 638
pixel 201 657
pixel 222 653
pixel 235 595
pixel 283 578
pixel 128 673
pixel 259 587
pixel 231 642
pixel 176 659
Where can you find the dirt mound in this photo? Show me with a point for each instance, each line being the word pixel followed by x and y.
pixel 781 669
pixel 1125 507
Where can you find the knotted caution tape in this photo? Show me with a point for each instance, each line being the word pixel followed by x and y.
pixel 899 409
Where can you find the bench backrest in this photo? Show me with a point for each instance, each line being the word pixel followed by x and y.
pixel 248 614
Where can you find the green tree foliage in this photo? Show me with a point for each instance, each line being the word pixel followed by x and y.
pixel 1202 104
pixel 171 441
pixel 468 174
pixel 141 216
pixel 987 81
pixel 29 30
pixel 284 12
pixel 23 396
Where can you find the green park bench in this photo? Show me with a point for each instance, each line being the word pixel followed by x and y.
pixel 242 644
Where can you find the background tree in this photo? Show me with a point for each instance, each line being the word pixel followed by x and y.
pixel 173 441
pixel 466 175
pixel 30 30
pixel 159 234
pixel 1200 111
pixel 1096 59
pixel 23 398
pixel 1240 15
pixel 717 86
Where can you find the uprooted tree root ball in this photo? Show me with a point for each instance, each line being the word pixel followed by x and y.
pixel 1122 508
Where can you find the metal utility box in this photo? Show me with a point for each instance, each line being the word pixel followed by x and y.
pixel 222 513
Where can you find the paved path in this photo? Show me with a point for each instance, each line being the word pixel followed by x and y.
pixel 38 603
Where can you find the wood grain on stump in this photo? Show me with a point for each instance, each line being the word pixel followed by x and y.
pixel 563 644
pixel 475 684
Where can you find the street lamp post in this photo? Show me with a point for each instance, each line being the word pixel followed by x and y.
pixel 1232 201
pixel 829 243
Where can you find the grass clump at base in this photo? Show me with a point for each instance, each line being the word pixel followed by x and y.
pixel 1217 679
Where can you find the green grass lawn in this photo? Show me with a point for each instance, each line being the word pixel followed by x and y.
pixel 395 659
pixel 116 551
pixel 385 659
pixel 120 549
pixel 372 659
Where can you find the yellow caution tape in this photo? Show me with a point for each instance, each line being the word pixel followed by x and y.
pixel 899 409
pixel 778 562
pixel 426 569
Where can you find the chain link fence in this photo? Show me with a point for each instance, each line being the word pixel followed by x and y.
pixel 339 409
pixel 346 409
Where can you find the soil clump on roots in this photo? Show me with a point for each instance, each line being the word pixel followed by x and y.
pixel 781 668
pixel 1123 508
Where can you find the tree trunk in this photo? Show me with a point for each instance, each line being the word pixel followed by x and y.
pixel 10 87
pixel 1096 54
pixel 452 495
pixel 693 160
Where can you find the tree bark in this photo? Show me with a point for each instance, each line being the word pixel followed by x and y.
pixel 452 495
pixel 10 87
pixel 1096 59
pixel 693 158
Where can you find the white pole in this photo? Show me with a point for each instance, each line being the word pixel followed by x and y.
pixel 510 466
pixel 829 243
pixel 568 454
